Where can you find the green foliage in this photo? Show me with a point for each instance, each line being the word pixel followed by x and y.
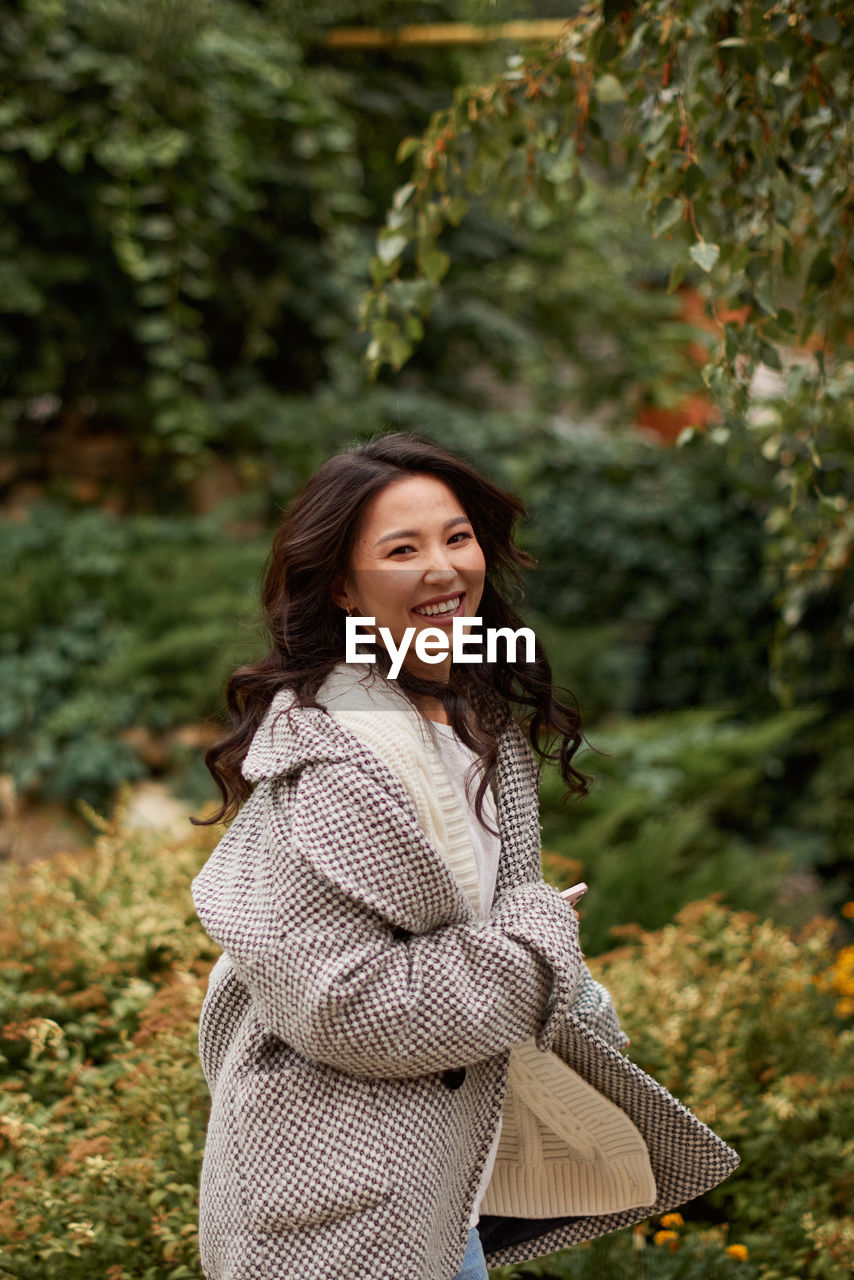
pixel 176 155
pixel 682 806
pixel 662 554
pixel 111 624
pixel 731 123
pixel 104 1104
pixel 650 563
pixel 734 128
pixel 568 312
pixel 808 440
pixel 661 577
pixel 698 1253
pixel 207 182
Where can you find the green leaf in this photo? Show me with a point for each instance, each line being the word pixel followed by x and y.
pixel 658 126
pixel 677 275
pixel 390 247
pixel 384 330
pixel 825 29
pixel 399 351
pixel 608 89
pixel 770 356
pixel 790 260
pixel 380 271
pixel 667 214
pixel 456 209
pixel 705 255
pixel 434 264
pixel 762 294
pixel 157 227
pixel 155 328
pixel 403 193
pixel 821 270
pixel 692 179
pixel 414 328
pixel 573 188
pixel 407 148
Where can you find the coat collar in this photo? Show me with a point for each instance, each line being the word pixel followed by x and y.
pixel 291 737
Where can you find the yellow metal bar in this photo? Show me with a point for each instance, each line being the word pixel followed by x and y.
pixel 445 33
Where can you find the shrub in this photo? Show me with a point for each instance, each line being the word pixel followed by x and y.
pixel 109 625
pixel 685 804
pixel 104 1104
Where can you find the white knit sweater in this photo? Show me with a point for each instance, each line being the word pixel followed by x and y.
pixel 564 1148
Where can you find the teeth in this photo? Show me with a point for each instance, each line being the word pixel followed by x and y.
pixel 447 606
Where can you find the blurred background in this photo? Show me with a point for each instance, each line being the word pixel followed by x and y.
pixel 191 196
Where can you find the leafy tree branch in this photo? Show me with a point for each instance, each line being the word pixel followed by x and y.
pixel 734 126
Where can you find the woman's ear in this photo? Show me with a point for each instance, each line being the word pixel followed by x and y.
pixel 337 593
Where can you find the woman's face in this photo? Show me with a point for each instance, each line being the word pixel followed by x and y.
pixel 415 547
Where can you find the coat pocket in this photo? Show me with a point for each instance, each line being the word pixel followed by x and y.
pixel 312 1143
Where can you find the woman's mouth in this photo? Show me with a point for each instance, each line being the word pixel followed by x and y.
pixel 441 614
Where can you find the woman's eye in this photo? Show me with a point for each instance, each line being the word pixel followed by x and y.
pixel 462 533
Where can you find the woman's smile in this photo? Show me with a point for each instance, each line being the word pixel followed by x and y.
pixel 443 610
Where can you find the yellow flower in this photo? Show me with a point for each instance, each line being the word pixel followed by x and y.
pixel 737 1251
pixel 670 1238
pixel 848 910
pixel 673 1220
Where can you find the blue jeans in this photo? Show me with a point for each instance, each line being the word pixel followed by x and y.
pixel 474 1263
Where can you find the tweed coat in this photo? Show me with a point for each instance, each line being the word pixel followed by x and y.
pixel 357 1028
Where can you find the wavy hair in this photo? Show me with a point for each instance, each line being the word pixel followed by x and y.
pixel 312 549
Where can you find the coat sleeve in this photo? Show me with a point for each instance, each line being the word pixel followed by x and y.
pixel 355 967
pixel 594 1005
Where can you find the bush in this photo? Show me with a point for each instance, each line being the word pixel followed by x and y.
pixel 104 1103
pixel 111 625
pixel 692 802
pixel 663 551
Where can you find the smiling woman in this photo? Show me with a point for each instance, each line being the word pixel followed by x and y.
pixel 394 530
pixel 413 1073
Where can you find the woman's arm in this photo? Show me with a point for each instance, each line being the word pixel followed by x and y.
pixel 337 933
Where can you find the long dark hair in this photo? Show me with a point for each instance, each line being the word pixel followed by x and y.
pixel 311 550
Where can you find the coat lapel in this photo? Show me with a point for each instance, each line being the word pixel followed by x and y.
pixel 517 805
pixel 285 744
pixel 292 737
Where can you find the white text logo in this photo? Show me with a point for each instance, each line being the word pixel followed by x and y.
pixel 432 644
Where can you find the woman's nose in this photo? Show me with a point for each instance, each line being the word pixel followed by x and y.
pixel 439 572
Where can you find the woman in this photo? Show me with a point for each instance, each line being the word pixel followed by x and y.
pixel 412 1071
